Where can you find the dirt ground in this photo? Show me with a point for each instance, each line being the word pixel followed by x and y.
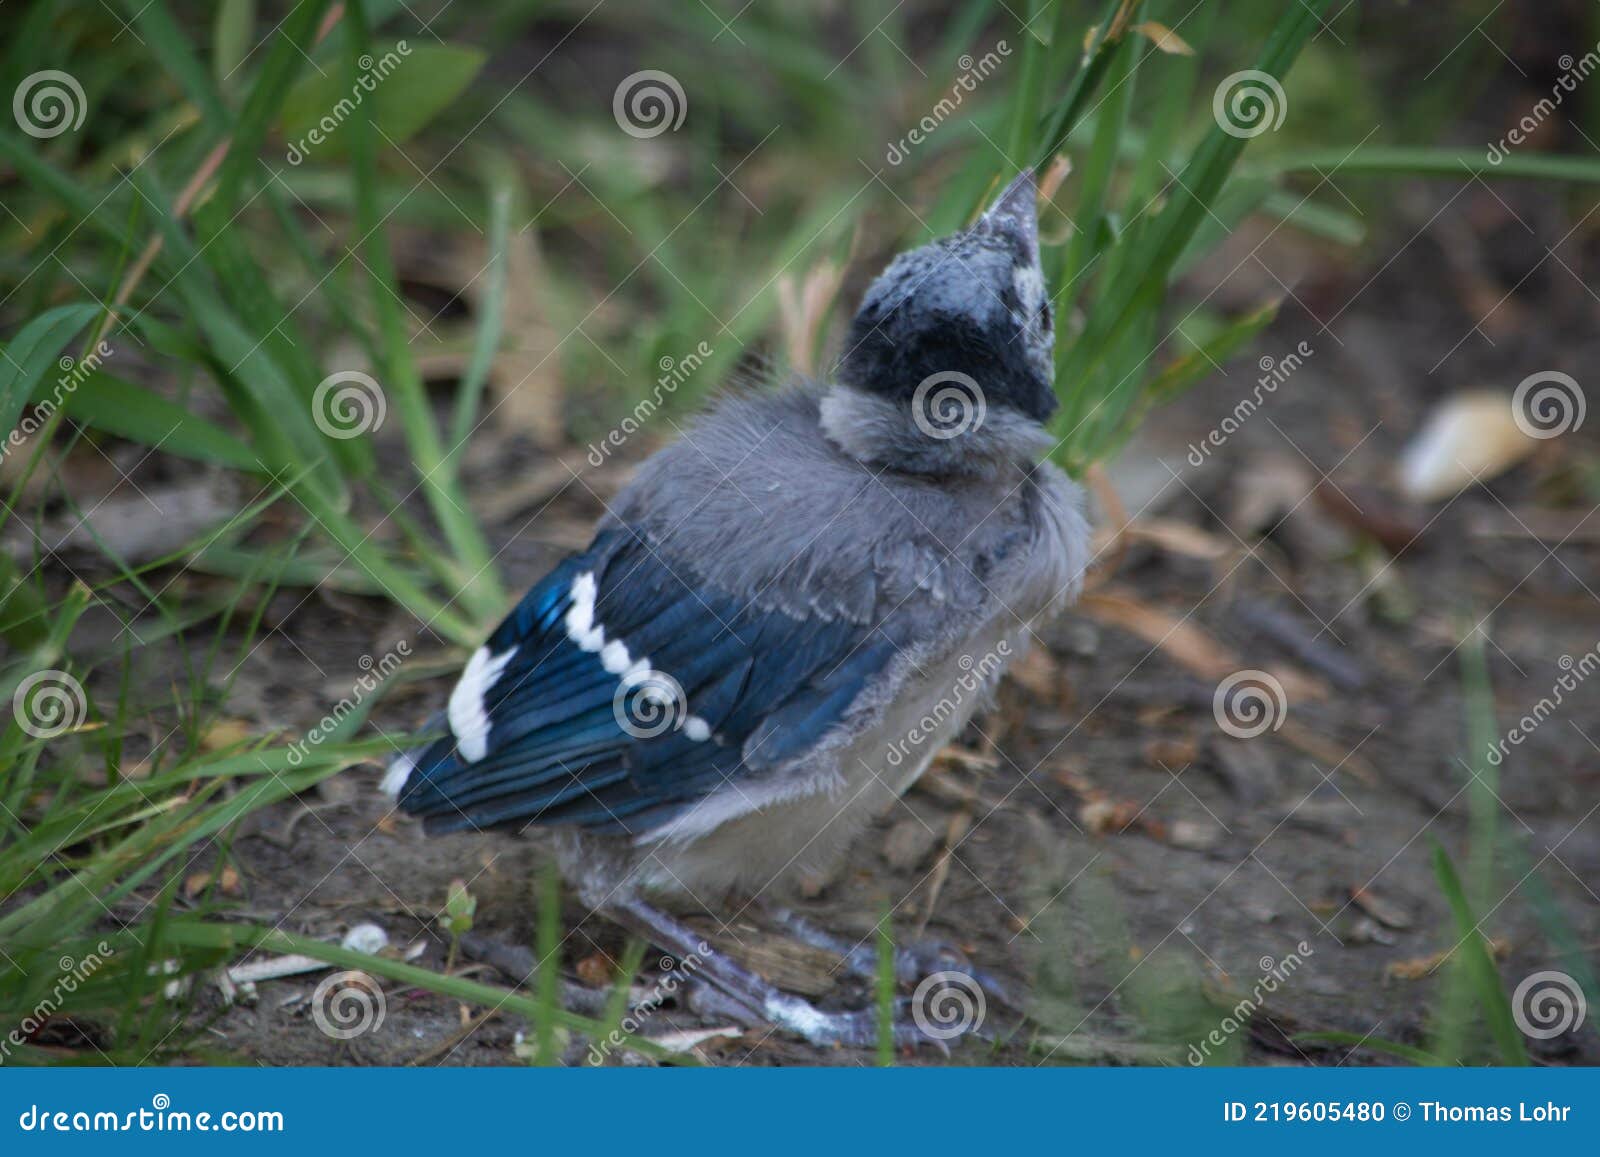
pixel 1098 840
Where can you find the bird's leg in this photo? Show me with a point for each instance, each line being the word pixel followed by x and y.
pixel 759 1000
pixel 913 962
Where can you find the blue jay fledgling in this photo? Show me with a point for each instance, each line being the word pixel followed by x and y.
pixel 765 643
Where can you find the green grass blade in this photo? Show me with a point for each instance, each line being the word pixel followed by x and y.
pixel 108 403
pixel 1408 161
pixel 469 394
pixel 482 594
pixel 31 355
pixel 1473 954
pixel 290 45
pixel 156 27
pixel 1060 122
pixel 1374 1044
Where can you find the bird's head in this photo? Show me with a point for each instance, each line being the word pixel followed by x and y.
pixel 960 331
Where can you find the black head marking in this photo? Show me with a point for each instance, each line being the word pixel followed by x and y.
pixel 969 307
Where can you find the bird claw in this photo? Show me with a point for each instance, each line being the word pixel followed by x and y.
pixel 799 1017
pixel 915 962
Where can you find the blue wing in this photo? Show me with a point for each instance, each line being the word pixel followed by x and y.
pixel 618 693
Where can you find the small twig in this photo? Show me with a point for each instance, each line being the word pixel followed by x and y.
pixel 960 822
pixel 520 966
pixel 1282 628
pixel 448 1045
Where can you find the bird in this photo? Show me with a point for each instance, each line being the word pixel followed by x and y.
pixel 784 616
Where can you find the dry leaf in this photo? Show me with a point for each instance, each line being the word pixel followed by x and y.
pixel 803 308
pixel 1264 490
pixel 1194 836
pixel 1038 674
pixel 1171 754
pixel 1385 912
pixel 1186 643
pixel 908 843
pixel 1179 538
pixel 227 882
pixel 224 733
pixel 1164 38
pixel 1421 967
pixel 596 970
pixel 685 1040
pixel 1468 438
pixel 526 379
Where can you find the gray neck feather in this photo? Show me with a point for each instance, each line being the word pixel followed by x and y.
pixel 881 432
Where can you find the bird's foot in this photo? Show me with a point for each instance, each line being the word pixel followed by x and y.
pixel 799 1017
pixel 924 962
pixel 727 988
